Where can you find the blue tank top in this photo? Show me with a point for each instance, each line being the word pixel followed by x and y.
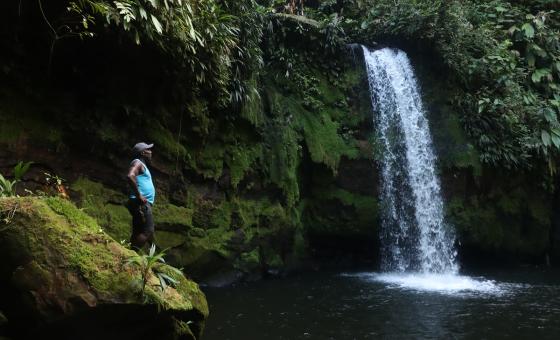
pixel 145 184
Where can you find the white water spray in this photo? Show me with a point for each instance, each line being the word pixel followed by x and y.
pixel 414 235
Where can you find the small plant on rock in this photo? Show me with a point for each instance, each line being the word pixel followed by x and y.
pixel 8 187
pixel 56 183
pixel 151 264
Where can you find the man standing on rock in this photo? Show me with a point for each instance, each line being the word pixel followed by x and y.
pixel 142 196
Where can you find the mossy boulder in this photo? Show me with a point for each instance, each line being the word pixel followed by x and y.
pixel 65 274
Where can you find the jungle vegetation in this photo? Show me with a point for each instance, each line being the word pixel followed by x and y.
pixel 504 54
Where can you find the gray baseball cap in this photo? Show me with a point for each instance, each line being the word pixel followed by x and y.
pixel 139 147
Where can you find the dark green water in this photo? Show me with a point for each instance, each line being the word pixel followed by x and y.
pixel 516 305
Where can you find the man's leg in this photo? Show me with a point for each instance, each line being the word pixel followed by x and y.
pixel 137 239
pixel 149 228
pixel 143 231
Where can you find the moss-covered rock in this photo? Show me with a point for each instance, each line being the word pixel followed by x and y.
pixel 105 205
pixel 504 219
pixel 64 272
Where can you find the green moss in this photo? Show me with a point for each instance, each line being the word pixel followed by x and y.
pixel 272 259
pixel 165 142
pixel 74 216
pixel 241 159
pixel 366 206
pixel 84 256
pixel 199 250
pixel 249 261
pixel 515 224
pixel 102 204
pixel 336 211
pixel 309 107
pixel 172 216
pixel 479 223
pixel 210 160
pixel 232 227
pixel 540 211
pixel 324 143
pixel 16 124
pixel 221 218
pixel 457 152
pixel 252 109
pixel 510 203
pixel 281 157
pixel 208 215
pixel 199 113
pixel 168 239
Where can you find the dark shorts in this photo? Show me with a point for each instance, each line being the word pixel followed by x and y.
pixel 142 219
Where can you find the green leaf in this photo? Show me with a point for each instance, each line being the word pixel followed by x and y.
pixel 550 115
pixel 157 24
pixel 537 76
pixel 530 57
pixel 143 13
pixel 152 250
pixel 555 141
pixel 162 282
pixel 168 278
pixel 528 30
pixel 192 33
pixel 545 137
pixel 536 49
pixel 20 169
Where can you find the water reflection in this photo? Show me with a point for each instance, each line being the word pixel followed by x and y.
pixel 442 283
pixel 373 306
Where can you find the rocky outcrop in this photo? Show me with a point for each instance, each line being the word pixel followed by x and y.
pixel 66 278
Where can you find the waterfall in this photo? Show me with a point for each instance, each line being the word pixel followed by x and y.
pixel 414 236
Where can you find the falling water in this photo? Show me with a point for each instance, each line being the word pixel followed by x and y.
pixel 414 235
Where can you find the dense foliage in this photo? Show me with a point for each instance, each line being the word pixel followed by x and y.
pixel 502 56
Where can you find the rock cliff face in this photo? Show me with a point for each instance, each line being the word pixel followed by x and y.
pixel 64 277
